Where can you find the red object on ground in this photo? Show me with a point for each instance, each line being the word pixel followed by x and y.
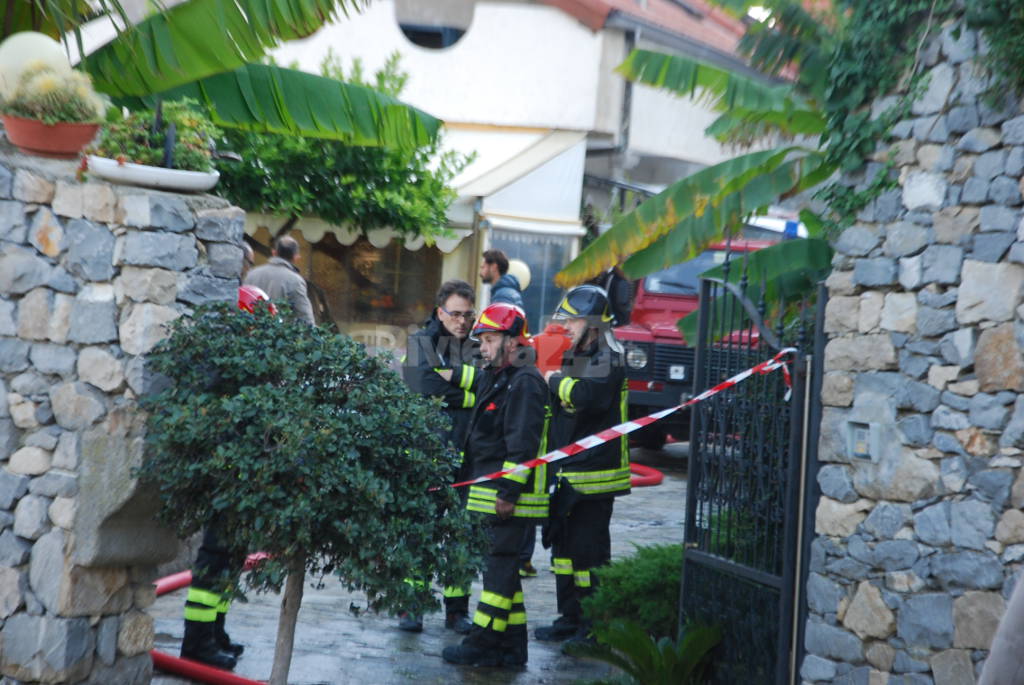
pixel 550 346
pixel 197 671
pixel 644 476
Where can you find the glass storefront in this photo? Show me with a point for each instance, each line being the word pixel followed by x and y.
pixel 545 254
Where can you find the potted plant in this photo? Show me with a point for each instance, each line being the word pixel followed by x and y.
pixel 170 147
pixel 52 112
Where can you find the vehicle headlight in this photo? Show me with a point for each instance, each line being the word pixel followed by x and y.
pixel 636 358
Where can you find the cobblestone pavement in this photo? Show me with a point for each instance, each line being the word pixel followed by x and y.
pixel 334 647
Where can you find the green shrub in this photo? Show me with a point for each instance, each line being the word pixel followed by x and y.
pixel 643 588
pixel 137 140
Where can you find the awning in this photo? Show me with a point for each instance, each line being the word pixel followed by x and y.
pixel 314 230
pixel 531 224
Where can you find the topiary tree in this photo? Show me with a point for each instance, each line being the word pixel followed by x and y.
pixel 302 445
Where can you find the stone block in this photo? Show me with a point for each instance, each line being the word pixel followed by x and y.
pixel 841 314
pixel 840 283
pixel 62 512
pixel 998 218
pixel 1013 131
pixel 31 517
pixel 975 617
pixel 942 264
pixel 877 271
pixel 924 190
pixel 837 389
pixel 972 523
pixel 935 157
pixel 29 461
pixel 221 225
pixel 990 247
pixel 869 311
pixel 899 313
pixel 831 642
pixel 1010 529
pixel 911 272
pixel 976 139
pixel 1005 191
pixel 823 595
pixel 933 98
pixel 838 519
pixel 29 187
pixel 76 405
pixel 817 669
pixel 156 210
pixel 34 314
pixel 916 430
pixel 904 581
pixel 867 615
pixel 12 591
pixel 135 669
pixel 886 519
pixel 945 418
pixel 997 360
pixel 53 359
pixel 47 648
pixel 864 353
pixel 975 191
pixel 940 376
pixel 136 634
pixel 198 288
pixel 13 355
pixel 953 224
pixel 166 250
pixel 93 322
pixel 952 667
pixel 835 482
pixel 857 241
pixel 143 325
pixel 66 454
pixel 1015 162
pixel 99 203
pixel 90 250
pixel 990 164
pixel 60 318
pixel 926 620
pixel 987 411
pixel 6 181
pixel 21 271
pixel 46 233
pixel 98 367
pixel 896 555
pixel 993 485
pixel 54 484
pixel 904 239
pixel 979 280
pixel 967 570
pixel 146 285
pixel 106 639
pixel 8 325
pixel 932 129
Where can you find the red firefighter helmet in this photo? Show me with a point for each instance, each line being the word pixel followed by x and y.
pixel 502 317
pixel 249 295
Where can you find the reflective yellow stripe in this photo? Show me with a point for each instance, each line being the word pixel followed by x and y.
pixel 204 597
pixel 517 618
pixel 565 387
pixel 561 567
pixel 521 477
pixel 529 505
pixel 495 600
pixel 582 578
pixel 624 416
pixel 517 598
pixel 452 592
pixel 603 488
pixel 468 399
pixel 467 377
pixel 595 476
pixel 484 621
pixel 200 614
pixel 416 583
pixel 223 607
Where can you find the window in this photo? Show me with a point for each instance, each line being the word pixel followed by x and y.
pixel 435 37
pixel 435 25
pixel 545 254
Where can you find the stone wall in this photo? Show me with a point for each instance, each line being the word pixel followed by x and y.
pixel 89 273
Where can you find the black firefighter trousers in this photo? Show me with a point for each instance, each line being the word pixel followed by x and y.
pixel 500 619
pixel 585 545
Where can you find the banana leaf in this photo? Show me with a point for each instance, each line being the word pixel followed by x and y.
pixel 200 38
pixel 270 99
pixel 657 216
pixel 786 272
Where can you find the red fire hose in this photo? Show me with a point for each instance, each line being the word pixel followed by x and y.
pixel 186 667
pixel 644 476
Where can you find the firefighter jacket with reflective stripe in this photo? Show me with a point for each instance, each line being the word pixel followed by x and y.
pixel 432 348
pixel 509 425
pixel 589 396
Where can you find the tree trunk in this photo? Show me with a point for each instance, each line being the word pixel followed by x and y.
pixel 290 603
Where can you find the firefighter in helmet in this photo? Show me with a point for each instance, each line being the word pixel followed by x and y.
pixel 207 602
pixel 589 395
pixel 508 426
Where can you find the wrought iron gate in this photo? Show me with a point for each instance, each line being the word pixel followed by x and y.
pixel 747 499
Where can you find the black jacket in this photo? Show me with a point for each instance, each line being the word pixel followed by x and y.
pixel 431 348
pixel 590 395
pixel 507 289
pixel 508 426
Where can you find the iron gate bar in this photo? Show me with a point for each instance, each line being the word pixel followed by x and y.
pixel 718 563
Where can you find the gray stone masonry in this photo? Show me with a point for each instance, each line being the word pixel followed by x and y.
pixel 920 542
pixel 89 275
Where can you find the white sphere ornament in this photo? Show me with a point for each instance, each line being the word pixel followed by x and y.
pixel 24 49
pixel 521 271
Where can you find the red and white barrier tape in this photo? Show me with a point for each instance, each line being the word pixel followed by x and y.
pixel 615 432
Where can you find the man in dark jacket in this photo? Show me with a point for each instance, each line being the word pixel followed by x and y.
pixel 504 286
pixel 508 427
pixel 591 395
pixel 444 343
pixel 280 278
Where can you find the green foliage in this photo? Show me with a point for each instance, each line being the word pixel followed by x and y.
pixel 643 588
pixel 646 660
pixel 367 187
pixel 1002 22
pixel 302 445
pixel 52 97
pixel 136 139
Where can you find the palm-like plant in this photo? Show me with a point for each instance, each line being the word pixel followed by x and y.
pixel 210 50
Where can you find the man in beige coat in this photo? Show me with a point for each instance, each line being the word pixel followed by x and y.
pixel 281 280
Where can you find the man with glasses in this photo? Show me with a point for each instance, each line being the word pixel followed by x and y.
pixel 443 343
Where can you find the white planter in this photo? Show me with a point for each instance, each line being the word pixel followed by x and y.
pixel 152 176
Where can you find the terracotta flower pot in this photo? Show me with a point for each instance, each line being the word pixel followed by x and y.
pixel 64 140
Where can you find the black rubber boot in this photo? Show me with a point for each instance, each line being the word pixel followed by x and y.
pixel 223 641
pixel 410 622
pixel 477 649
pixel 458 622
pixel 514 650
pixel 200 644
pixel 562 629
